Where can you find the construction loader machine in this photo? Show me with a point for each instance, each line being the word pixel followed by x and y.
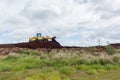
pixel 35 42
pixel 41 38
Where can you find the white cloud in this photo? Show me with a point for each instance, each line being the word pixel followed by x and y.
pixel 74 22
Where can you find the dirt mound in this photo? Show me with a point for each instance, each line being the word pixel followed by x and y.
pixel 117 45
pixel 37 44
pixel 33 45
pixel 7 45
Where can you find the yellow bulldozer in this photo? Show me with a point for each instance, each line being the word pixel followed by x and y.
pixel 41 38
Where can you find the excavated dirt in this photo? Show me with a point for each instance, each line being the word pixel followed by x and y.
pixel 37 44
pixel 33 45
pixel 5 49
pixel 117 45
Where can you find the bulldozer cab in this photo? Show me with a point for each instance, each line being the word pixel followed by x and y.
pixel 38 35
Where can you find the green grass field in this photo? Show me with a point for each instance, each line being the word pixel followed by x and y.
pixel 60 65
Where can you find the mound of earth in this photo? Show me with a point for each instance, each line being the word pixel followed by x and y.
pixel 37 44
pixel 33 45
pixel 116 45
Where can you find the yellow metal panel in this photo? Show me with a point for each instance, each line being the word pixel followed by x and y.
pixel 48 37
pixel 32 39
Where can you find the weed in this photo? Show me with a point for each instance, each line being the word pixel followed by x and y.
pixel 29 52
pixel 45 76
pixel 83 67
pixel 92 50
pixel 79 62
pixel 12 57
pixel 67 70
pixel 108 66
pixel 92 71
pixel 95 61
pixel 104 61
pixel 24 52
pixel 59 63
pixel 116 59
pixel 97 67
pixel 4 68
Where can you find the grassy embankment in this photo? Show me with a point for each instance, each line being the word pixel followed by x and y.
pixel 61 65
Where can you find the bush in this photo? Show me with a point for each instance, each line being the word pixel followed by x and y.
pixel 110 50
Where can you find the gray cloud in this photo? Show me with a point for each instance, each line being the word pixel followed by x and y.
pixel 80 1
pixel 41 15
pixel 69 20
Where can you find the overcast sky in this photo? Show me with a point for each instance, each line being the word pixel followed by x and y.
pixel 73 22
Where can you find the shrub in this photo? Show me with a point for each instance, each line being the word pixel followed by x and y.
pixel 110 50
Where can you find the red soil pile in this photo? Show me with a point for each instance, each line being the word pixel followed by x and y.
pixel 117 45
pixel 37 44
pixel 33 45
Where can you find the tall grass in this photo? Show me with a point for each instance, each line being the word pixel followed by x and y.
pixel 74 56
pixel 56 64
pixel 55 58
